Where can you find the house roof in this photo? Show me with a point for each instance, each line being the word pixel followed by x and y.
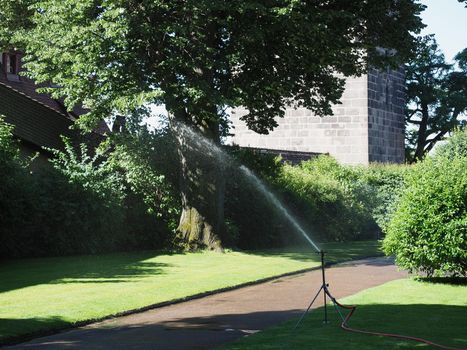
pixel 27 87
pixel 38 118
pixel 33 121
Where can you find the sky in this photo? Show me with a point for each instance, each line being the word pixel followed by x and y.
pixel 447 19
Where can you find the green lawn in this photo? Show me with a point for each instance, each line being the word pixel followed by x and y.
pixel 436 312
pixel 51 293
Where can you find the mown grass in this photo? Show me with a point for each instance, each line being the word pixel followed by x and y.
pixel 45 294
pixel 433 311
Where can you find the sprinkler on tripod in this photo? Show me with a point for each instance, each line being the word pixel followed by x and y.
pixel 326 293
pixel 344 324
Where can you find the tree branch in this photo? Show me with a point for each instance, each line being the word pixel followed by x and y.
pixel 410 115
pixel 431 143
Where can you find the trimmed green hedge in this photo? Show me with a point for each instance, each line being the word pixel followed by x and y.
pixel 124 196
pixel 332 201
pixel 83 203
pixel 428 229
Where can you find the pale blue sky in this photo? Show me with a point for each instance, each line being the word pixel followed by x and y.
pixel 447 19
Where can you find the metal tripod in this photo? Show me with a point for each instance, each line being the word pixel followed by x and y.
pixel 326 293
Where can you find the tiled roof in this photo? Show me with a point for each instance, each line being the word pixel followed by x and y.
pixel 33 121
pixel 38 118
pixel 27 87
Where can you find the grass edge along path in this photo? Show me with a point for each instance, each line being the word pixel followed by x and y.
pixel 432 311
pixel 45 295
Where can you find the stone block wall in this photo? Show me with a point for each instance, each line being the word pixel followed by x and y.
pixel 386 125
pixel 366 127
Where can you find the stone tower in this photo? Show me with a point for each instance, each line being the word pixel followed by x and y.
pixel 367 127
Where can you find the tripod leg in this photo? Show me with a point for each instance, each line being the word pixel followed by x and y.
pixel 324 286
pixel 326 291
pixel 308 309
pixel 325 306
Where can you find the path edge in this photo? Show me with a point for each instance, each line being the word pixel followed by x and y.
pixel 66 328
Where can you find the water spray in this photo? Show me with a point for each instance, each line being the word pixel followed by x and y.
pixel 222 156
pixel 278 204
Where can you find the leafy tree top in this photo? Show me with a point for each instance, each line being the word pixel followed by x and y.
pixel 196 56
pixel 437 97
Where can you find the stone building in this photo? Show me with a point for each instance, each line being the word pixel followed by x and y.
pixel 368 126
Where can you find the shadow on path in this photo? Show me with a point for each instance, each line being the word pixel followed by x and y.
pixel 438 323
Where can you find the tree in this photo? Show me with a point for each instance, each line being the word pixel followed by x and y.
pixel 198 57
pixel 436 97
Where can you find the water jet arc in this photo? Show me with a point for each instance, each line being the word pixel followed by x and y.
pixel 209 148
pixel 273 199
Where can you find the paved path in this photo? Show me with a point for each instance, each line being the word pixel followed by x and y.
pixel 205 323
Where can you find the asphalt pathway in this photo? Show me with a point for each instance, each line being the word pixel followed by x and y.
pixel 208 322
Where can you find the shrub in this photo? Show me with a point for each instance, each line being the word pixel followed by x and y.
pixel 332 201
pixel 253 222
pixel 82 202
pixel 85 202
pixel 383 185
pixel 324 200
pixel 16 195
pixel 455 146
pixel 148 162
pixel 427 231
pixel 125 195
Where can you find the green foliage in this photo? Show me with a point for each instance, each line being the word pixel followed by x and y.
pixel 456 145
pixel 91 172
pixel 253 222
pixel 16 194
pixel 344 202
pixel 264 164
pixel 199 58
pixel 380 186
pixel 427 231
pixel 324 197
pixel 8 148
pixel 84 197
pixel 87 201
pixel 148 162
pixel 436 97
pixel 124 195
pixel 116 56
pixel 333 202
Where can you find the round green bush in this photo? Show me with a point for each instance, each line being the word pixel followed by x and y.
pixel 427 231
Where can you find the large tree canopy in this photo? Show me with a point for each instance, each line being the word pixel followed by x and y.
pixel 114 55
pixel 199 56
pixel 437 97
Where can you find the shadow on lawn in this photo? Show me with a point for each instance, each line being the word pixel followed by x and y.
pixel 10 328
pixel 111 268
pixel 455 281
pixel 334 251
pixel 443 324
pixel 438 323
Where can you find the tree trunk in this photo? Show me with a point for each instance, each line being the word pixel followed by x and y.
pixel 422 134
pixel 202 184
